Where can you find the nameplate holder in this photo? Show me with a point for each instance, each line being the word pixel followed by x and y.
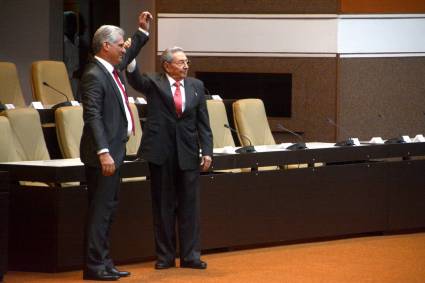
pixel 376 140
pixel 216 97
pixel 419 138
pixel 406 138
pixel 355 141
pixel 141 100
pixel 9 106
pixel 36 105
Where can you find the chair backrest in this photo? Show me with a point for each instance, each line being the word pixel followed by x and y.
pixel 10 90
pixel 26 126
pixel 69 128
pixel 134 141
pixel 222 136
pixel 8 151
pixel 251 122
pixel 55 74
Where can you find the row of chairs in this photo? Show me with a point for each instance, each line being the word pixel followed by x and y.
pixel 52 72
pixel 250 121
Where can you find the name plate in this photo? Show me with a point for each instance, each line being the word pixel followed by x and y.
pixel 216 97
pixel 419 138
pixel 36 105
pixel 355 141
pixel 9 106
pixel 406 138
pixel 141 100
pixel 377 140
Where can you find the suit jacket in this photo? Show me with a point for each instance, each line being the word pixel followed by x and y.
pixel 164 132
pixel 105 123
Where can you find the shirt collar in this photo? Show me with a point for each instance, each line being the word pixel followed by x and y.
pixel 172 81
pixel 106 64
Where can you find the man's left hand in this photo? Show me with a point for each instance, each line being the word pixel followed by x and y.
pixel 145 19
pixel 205 163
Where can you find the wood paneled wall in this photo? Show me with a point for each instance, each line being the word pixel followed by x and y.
pixel 313 88
pixel 382 6
pixel 249 6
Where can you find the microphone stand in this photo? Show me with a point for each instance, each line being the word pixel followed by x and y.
pixel 296 146
pixel 347 142
pixel 61 104
pixel 244 149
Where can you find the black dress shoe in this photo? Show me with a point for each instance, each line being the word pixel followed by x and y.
pixel 100 275
pixel 115 271
pixel 196 264
pixel 164 265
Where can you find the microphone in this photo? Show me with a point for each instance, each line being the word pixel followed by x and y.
pixel 347 142
pixel 398 139
pixel 62 104
pixel 295 146
pixel 243 149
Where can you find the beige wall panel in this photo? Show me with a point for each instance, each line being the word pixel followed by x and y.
pixel 313 88
pixel 381 97
pixel 249 7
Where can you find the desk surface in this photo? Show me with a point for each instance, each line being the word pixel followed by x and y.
pixel 68 170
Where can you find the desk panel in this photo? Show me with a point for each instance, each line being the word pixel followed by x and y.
pixel 359 190
pixel 4 222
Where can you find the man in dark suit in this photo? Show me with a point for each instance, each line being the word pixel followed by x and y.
pixel 108 122
pixel 177 126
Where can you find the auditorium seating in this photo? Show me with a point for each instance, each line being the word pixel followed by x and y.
pixel 26 126
pixel 24 138
pixel 251 122
pixel 69 128
pixel 253 128
pixel 10 90
pixel 222 136
pixel 134 140
pixel 55 74
pixel 218 118
pixel 7 142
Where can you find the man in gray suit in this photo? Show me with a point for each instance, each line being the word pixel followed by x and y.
pixel 108 122
pixel 177 127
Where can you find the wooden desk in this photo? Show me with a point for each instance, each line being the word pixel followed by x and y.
pixel 4 222
pixel 367 189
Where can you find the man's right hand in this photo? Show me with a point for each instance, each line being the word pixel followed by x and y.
pixel 145 19
pixel 107 163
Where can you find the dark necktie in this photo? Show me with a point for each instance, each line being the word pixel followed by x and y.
pixel 115 73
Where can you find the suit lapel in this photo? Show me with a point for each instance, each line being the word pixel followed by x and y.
pixel 165 88
pixel 190 93
pixel 113 85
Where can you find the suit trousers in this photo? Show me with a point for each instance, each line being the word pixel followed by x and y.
pixel 175 200
pixel 103 201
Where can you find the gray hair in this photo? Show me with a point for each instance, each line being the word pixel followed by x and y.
pixel 167 54
pixel 106 33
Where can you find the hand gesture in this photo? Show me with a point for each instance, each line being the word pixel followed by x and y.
pixel 145 19
pixel 127 43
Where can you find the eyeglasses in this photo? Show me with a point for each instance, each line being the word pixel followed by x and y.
pixel 182 63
